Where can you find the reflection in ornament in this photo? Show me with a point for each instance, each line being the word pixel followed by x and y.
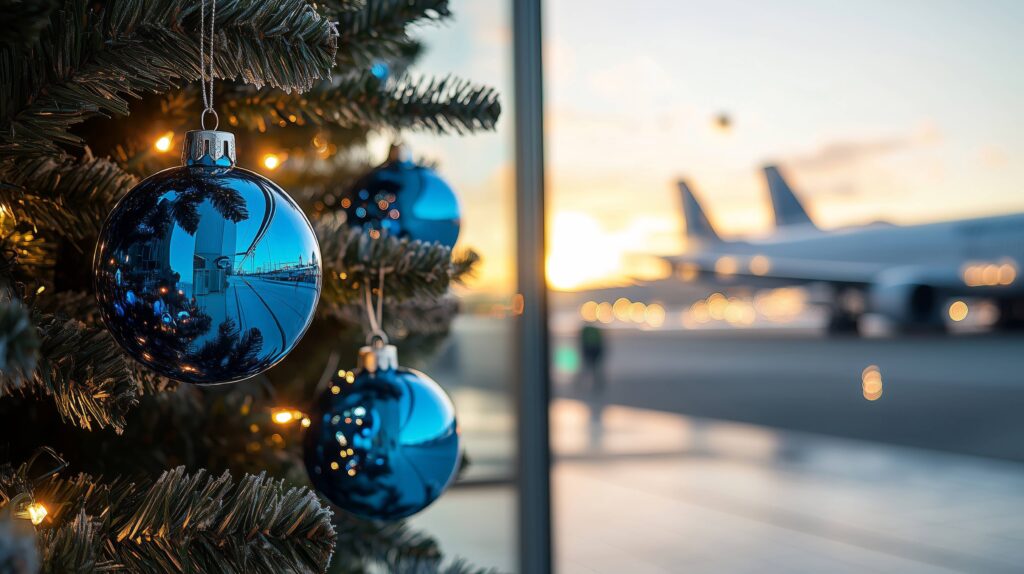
pixel 207 273
pixel 383 441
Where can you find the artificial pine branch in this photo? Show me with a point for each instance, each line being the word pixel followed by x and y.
pixel 85 372
pixel 64 195
pixel 181 523
pixel 75 362
pixel 440 105
pixel 379 30
pixel 413 269
pixel 92 57
pixel 73 547
pixel 82 369
pixel 82 306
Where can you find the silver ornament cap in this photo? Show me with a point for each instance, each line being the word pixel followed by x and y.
pixel 378 358
pixel 212 143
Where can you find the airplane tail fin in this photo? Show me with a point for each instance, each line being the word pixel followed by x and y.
pixel 698 227
pixel 788 209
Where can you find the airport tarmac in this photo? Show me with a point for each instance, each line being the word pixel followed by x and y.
pixel 962 394
pixel 812 476
pixel 654 492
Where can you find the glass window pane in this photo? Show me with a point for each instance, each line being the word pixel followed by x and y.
pixel 785 242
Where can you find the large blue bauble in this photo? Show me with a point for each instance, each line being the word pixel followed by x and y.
pixel 403 199
pixel 207 273
pixel 383 446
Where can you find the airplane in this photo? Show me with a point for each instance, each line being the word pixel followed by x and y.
pixel 904 273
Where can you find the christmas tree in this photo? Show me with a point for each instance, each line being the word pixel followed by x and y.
pixel 106 465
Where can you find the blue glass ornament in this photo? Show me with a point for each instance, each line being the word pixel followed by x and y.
pixel 403 199
pixel 207 273
pixel 383 442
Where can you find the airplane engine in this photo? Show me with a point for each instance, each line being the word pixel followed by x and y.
pixel 909 300
pixel 906 304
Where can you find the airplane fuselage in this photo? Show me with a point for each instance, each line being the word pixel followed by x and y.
pixel 947 243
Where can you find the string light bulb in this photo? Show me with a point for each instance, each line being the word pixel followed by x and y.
pixel 36 512
pixel 163 143
pixel 271 161
pixel 282 416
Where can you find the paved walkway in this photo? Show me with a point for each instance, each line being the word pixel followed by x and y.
pixel 646 491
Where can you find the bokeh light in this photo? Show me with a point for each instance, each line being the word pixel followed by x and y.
pixel 655 315
pixel 760 265
pixel 871 383
pixel 958 311
pixel 588 311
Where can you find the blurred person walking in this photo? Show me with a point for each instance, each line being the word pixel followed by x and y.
pixel 592 349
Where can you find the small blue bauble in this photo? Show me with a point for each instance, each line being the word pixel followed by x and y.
pixel 383 442
pixel 403 199
pixel 207 273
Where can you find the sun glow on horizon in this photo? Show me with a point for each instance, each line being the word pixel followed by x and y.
pixel 579 251
pixel 587 251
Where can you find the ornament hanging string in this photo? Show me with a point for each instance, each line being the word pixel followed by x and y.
pixel 375 313
pixel 325 378
pixel 206 64
pixel 380 299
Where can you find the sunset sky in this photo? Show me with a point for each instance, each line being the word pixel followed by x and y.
pixel 905 111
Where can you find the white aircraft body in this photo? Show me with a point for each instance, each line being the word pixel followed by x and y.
pixel 905 273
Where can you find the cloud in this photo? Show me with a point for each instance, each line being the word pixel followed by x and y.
pixel 840 154
pixel 847 153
